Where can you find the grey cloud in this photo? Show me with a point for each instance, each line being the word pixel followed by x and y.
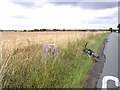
pixel 86 5
pixel 99 5
pixel 89 5
pixel 24 3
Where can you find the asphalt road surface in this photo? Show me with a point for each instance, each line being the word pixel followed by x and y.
pixel 111 63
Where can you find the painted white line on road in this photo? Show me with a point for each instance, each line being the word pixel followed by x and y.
pixel 106 78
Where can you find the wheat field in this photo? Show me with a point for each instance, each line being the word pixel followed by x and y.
pixel 11 40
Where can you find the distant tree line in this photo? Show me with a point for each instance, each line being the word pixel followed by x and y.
pixel 92 30
pixel 40 30
pixel 52 30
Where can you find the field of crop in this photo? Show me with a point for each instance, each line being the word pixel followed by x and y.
pixel 21 64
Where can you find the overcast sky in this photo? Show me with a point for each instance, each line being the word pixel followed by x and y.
pixel 31 14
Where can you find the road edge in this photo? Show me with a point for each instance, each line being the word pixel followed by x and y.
pixel 97 67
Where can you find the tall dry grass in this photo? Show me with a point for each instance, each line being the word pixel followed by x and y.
pixel 21 54
pixel 12 40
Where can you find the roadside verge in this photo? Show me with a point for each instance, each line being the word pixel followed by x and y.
pixel 97 67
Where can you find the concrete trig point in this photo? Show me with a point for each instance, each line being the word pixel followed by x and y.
pixel 49 50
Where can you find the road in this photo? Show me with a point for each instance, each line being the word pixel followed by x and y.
pixel 111 63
